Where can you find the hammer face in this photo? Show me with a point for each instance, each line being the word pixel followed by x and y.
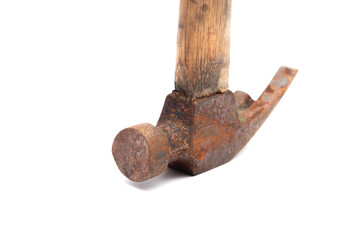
pixel 141 152
pixel 207 131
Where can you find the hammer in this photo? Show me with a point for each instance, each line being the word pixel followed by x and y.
pixel 202 125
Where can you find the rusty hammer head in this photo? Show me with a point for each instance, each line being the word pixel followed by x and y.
pixel 202 125
pixel 196 135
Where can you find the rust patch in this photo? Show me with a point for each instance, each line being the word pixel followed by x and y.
pixel 207 130
pixel 141 152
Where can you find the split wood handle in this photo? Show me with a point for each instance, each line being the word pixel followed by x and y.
pixel 203 47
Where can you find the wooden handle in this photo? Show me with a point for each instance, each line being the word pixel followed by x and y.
pixel 203 47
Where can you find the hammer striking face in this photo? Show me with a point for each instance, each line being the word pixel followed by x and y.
pixel 203 125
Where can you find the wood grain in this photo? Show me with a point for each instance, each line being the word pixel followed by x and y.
pixel 203 47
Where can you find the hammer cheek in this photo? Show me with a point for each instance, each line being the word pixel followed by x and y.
pixel 201 132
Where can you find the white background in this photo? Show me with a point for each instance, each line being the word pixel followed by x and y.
pixel 74 73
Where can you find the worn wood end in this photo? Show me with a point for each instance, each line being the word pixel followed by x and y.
pixel 203 47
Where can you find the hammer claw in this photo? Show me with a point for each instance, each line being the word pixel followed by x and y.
pixel 254 115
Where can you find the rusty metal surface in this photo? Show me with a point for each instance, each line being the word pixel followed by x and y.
pixel 141 152
pixel 252 114
pixel 196 135
pixel 201 132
